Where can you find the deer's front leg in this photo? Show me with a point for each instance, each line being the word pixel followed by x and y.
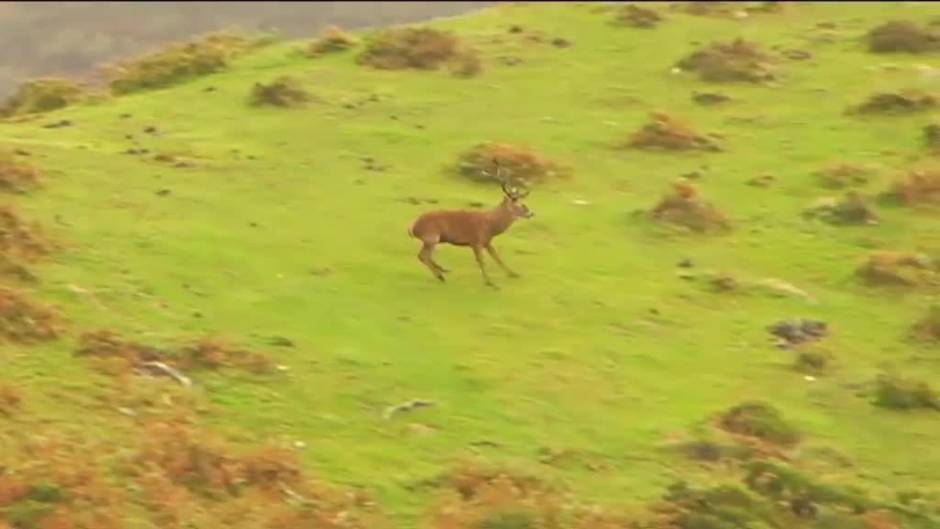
pixel 478 253
pixel 495 256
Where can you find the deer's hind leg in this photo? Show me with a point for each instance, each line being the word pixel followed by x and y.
pixel 425 257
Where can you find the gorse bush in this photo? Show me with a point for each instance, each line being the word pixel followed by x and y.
pixel 41 95
pixel 179 62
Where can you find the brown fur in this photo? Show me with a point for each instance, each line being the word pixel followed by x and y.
pixel 472 228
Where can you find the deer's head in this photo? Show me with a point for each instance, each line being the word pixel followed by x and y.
pixel 512 200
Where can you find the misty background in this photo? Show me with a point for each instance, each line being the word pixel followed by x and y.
pixel 72 39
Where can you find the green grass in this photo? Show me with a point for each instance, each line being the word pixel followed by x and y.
pixel 569 356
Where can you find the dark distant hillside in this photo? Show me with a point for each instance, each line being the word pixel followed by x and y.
pixel 72 38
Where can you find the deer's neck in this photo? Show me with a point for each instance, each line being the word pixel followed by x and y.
pixel 500 219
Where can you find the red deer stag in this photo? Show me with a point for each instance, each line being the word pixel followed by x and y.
pixel 472 228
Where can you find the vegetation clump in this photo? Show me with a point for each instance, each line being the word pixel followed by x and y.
pixel 520 164
pixel 735 61
pixel 667 133
pixel 635 16
pixel 282 92
pixel 410 48
pixel 39 96
pixel 905 269
pixel 16 176
pixel 761 421
pixel 928 327
pixel 332 40
pixel 851 210
pixel 896 103
pixel 919 186
pixel 179 62
pixel 685 207
pixel 844 175
pixel 10 399
pixel 902 36
pixel 25 322
pixel 932 137
pixel 900 393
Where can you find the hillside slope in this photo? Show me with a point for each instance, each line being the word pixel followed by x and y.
pixel 285 230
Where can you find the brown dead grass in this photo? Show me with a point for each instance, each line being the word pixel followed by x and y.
pixel 685 207
pixel 20 239
pixel 118 356
pixel 10 400
pixel 928 327
pixel 24 321
pixel 919 186
pixel 332 40
pixel 844 175
pixel 897 103
pixel 518 163
pixel 907 269
pixel 41 95
pixel 410 48
pixel 761 421
pixel 667 133
pixel 16 174
pixel 902 36
pixel 735 61
pixel 637 17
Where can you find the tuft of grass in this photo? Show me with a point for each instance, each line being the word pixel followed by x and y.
pixel 902 36
pixel 891 268
pixel 852 209
pixel 519 163
pixel 24 321
pixel 928 327
pixel 635 16
pixel 333 39
pixel 667 133
pixel 901 393
pixel 41 95
pixel 10 400
pixel 685 207
pixel 735 61
pixel 897 103
pixel 919 186
pixel 844 175
pixel 179 62
pixel 282 92
pixel 761 421
pixel 17 175
pixel 410 48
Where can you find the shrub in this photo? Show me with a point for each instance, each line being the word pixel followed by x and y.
pixel 891 103
pixel 282 92
pixel 16 175
pixel 850 210
pixel 415 48
pixel 19 239
pixel 812 361
pixel 24 321
pixel 41 95
pixel 901 393
pixel 466 64
pixel 519 164
pixel 932 137
pixel 898 269
pixel 761 421
pixel 843 175
pixel 928 327
pixel 179 62
pixel 210 353
pixel 901 36
pixel 917 187
pixel 684 207
pixel 333 39
pixel 667 133
pixel 637 17
pixel 736 61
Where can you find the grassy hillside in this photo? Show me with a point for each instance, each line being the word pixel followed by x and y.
pixel 584 371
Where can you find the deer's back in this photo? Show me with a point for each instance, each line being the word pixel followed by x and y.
pixel 458 227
